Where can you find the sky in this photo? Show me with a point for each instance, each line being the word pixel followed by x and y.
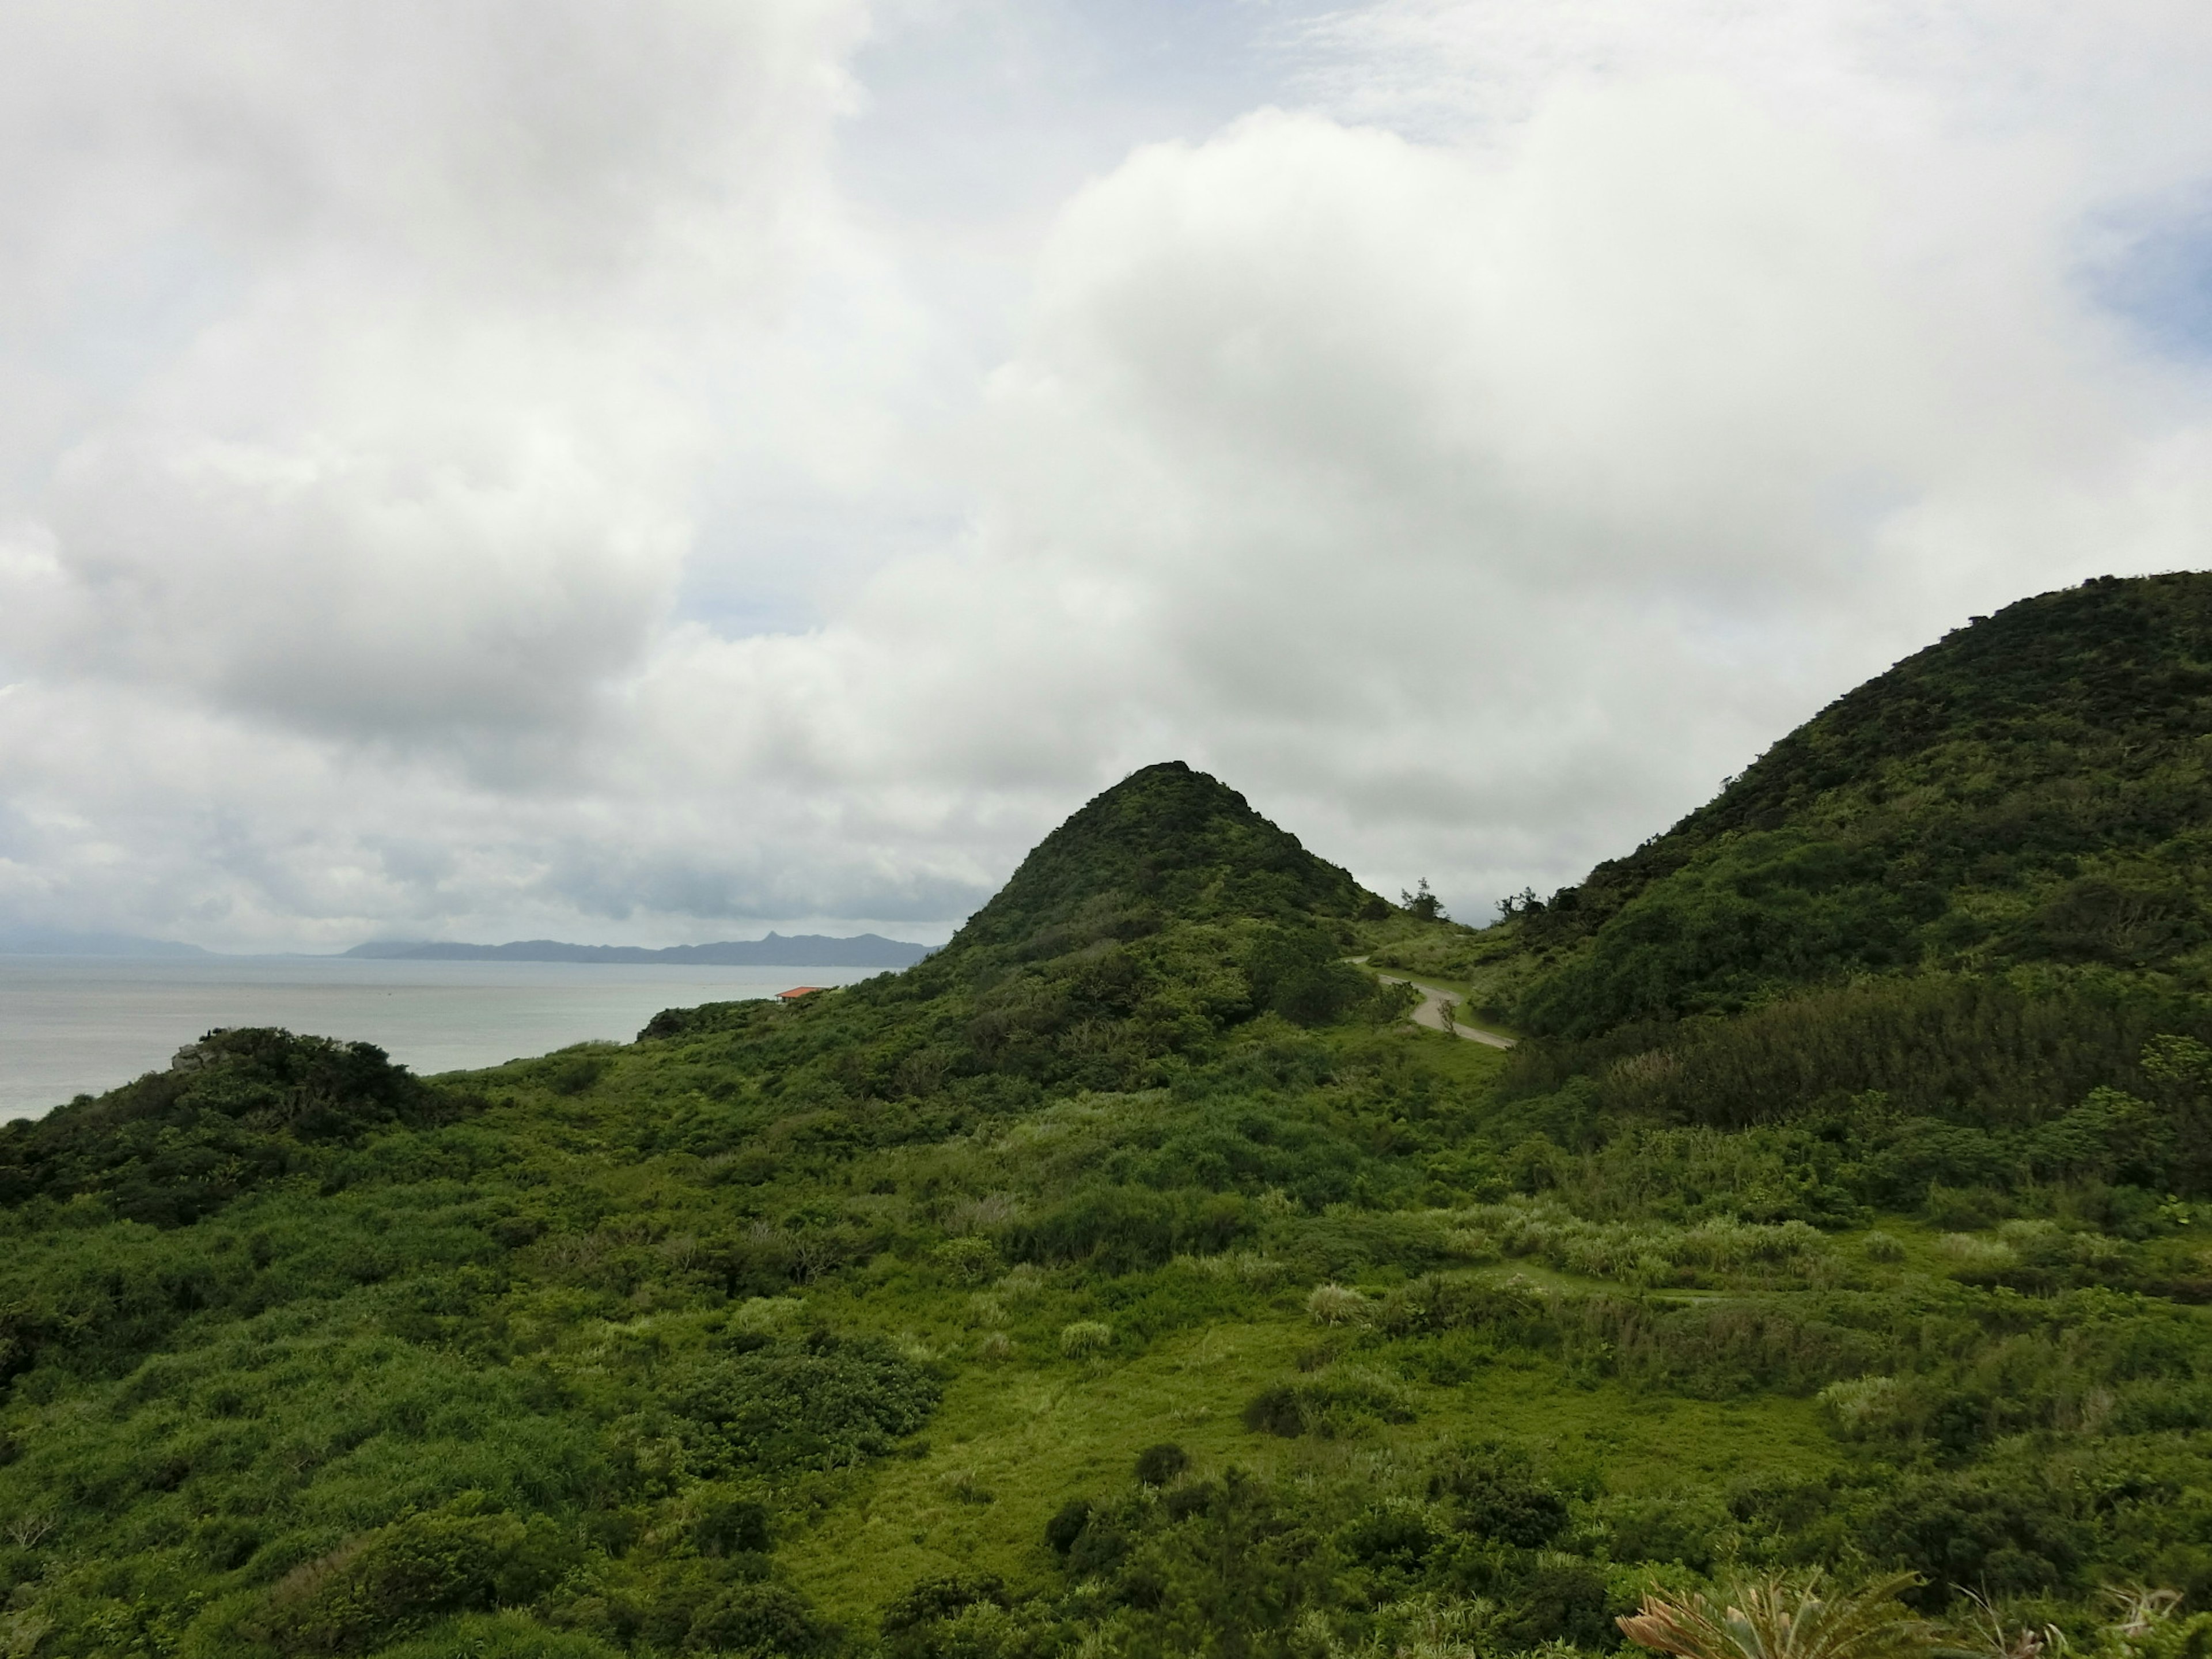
pixel 655 473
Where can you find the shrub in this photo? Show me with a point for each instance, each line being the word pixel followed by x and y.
pixel 1337 1400
pixel 1496 1495
pixel 817 1402
pixel 724 1524
pixel 986 1309
pixel 1066 1526
pixel 1260 1273
pixel 954 1618
pixel 1864 1405
pixel 968 1260
pixel 575 1071
pixel 1880 1246
pixel 393 1580
pixel 1970 1251
pixel 1470 1244
pixel 1158 1465
pixel 1120 1229
pixel 762 1617
pixel 1085 1337
pixel 1023 1280
pixel 177 1146
pixel 1296 973
pixel 1337 1304
pixel 1276 1410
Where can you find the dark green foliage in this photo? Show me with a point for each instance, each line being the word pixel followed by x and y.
pixel 706 1017
pixel 1230 1579
pixel 1067 1525
pixel 1496 1492
pixel 178 1145
pixel 1994 1532
pixel 2031 790
pixel 1968 1049
pixel 574 1071
pixel 1158 1465
pixel 395 1580
pixel 1336 1403
pixel 730 1525
pixel 757 1618
pixel 1277 1410
pixel 1562 1601
pixel 1120 1229
pixel 819 1402
pixel 597 1355
pixel 1421 904
pixel 1164 842
pixel 1298 973
pixel 1931 1082
pixel 1248 1566
pixel 969 1618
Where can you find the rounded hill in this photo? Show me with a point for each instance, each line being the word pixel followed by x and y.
pixel 2029 792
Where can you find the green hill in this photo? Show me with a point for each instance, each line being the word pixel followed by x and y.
pixel 1128 1279
pixel 2030 793
pixel 1165 842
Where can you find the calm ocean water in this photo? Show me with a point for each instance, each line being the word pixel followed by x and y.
pixel 73 1025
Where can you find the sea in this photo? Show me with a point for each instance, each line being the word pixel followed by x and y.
pixel 72 1025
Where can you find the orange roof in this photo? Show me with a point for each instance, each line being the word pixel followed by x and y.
pixel 797 991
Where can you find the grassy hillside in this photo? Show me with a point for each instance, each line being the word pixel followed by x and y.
pixel 1127 1279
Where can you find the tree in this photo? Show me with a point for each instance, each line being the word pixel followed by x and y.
pixel 1523 904
pixel 1424 905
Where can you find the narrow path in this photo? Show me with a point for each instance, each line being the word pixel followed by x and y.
pixel 1437 1012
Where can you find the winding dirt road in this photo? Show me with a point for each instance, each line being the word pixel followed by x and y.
pixel 1436 1011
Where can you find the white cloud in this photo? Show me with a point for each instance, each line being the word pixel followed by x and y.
pixel 489 282
pixel 1480 506
pixel 1472 464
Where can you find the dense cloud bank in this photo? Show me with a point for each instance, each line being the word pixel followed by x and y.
pixel 507 469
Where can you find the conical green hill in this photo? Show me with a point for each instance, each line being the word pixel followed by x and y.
pixel 1166 843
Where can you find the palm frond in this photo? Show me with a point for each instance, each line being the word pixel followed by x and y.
pixel 1987 1635
pixel 1796 1617
pixel 2140 1609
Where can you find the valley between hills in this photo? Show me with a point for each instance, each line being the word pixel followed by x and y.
pixel 1134 1277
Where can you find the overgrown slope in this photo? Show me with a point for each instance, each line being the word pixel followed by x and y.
pixel 1126 1279
pixel 2031 792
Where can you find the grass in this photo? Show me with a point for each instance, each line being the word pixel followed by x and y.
pixel 1029 1438
pixel 1009 1447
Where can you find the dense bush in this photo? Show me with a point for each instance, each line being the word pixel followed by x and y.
pixel 393 1580
pixel 256 1105
pixel 817 1401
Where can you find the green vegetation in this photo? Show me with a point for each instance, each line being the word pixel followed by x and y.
pixel 2029 794
pixel 1130 1279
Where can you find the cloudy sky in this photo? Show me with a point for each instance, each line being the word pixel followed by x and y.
pixel 654 472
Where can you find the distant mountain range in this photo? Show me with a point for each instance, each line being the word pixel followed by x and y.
pixel 776 950
pixel 53 941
